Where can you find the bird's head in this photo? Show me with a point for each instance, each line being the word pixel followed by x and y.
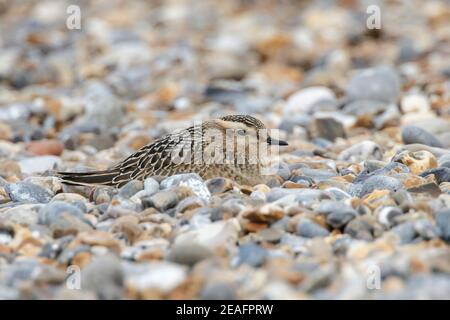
pixel 245 125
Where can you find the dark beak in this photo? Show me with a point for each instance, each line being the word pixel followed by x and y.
pixel 275 142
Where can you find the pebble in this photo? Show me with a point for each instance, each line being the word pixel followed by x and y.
pixel 198 244
pixel 443 223
pixel 190 180
pixel 328 128
pixel 309 100
pixel 380 83
pixel 415 103
pixel 104 276
pixel 252 255
pixel 380 183
pixel 45 147
pixel 49 213
pixel 28 193
pixel 39 164
pixel 364 150
pixel 308 229
pixel 413 134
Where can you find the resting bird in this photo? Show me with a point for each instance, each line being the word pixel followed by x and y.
pixel 233 146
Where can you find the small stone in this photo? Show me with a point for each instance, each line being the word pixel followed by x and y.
pixel 252 255
pixel 441 174
pixel 380 183
pixel 104 194
pixel 45 147
pixel 417 161
pixel 387 215
pixel 426 230
pixel 49 213
pixel 67 224
pixel 339 218
pixel 104 276
pixel 327 128
pixel 443 223
pixel 362 151
pixel 189 203
pixel 309 100
pixel 161 276
pixel 308 229
pixel 193 246
pixel 166 199
pixel 363 228
pixel 414 134
pixel 415 103
pixel 218 291
pixel 406 232
pixel 379 83
pixel 27 192
pixel 219 185
pixel 131 188
pixel 190 180
pixel 26 214
pixel 39 164
pixel 268 213
pixel 9 168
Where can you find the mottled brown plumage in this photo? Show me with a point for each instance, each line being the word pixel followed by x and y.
pixel 196 149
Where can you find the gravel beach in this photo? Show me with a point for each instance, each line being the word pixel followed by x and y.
pixel 359 209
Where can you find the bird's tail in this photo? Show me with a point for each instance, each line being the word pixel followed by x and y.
pixel 104 177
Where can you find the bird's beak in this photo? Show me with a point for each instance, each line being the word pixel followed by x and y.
pixel 275 142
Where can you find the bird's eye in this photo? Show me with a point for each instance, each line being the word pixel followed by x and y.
pixel 241 132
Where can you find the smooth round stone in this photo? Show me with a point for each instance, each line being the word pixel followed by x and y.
pixel 380 183
pixel 162 200
pixel 441 174
pixel 415 103
pixel 26 214
pixel 104 276
pixel 387 215
pixel 414 134
pixel 218 291
pixel 104 194
pixel 72 198
pixel 219 185
pixel 131 188
pixel 102 106
pixel 363 228
pixel 380 83
pixel 191 180
pixel 282 169
pixel 151 185
pixel 361 151
pixel 39 164
pixel 252 255
pixel 327 128
pixel 50 212
pixel 310 99
pixel 318 174
pixel 189 203
pixel 365 107
pixel 65 224
pixel 308 229
pixel 426 229
pixel 27 192
pixel 443 223
pixel 339 219
pixel 406 232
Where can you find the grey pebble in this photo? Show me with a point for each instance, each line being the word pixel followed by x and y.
pixel 28 193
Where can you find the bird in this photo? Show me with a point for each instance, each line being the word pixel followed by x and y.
pixel 232 147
